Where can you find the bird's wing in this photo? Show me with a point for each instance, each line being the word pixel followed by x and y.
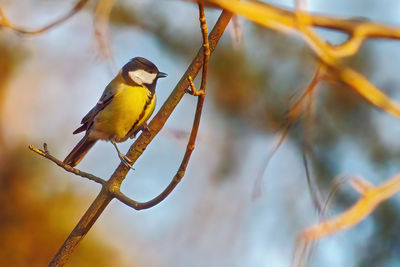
pixel 105 99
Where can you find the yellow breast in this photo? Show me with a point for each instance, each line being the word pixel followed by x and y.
pixel 131 105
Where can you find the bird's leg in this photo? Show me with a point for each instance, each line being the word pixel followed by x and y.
pixel 144 128
pixel 132 135
pixel 127 161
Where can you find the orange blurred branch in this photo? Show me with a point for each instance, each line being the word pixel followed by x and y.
pixel 302 23
pixel 371 197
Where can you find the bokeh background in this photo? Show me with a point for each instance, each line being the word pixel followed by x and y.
pixel 49 82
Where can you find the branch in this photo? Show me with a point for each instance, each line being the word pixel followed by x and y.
pixel 371 197
pixel 112 186
pixel 293 115
pixel 280 17
pixel 4 22
pixel 101 28
pixel 302 23
pixel 297 108
pixel 45 153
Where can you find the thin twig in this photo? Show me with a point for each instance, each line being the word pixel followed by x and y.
pixel 297 108
pixel 45 153
pixel 293 114
pixel 313 190
pixel 4 22
pixel 206 48
pixel 257 188
pixel 193 134
pixel 335 185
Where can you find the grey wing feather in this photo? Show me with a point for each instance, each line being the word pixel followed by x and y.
pixel 87 121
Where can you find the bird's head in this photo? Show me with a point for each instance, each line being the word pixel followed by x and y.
pixel 140 71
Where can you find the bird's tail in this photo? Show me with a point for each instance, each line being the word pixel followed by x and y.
pixel 79 151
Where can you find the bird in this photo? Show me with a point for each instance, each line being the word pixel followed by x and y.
pixel 122 111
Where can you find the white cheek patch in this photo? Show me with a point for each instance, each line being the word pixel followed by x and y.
pixel 141 76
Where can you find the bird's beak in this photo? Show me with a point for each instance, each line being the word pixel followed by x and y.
pixel 161 75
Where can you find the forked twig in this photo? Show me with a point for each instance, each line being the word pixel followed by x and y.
pixel 45 153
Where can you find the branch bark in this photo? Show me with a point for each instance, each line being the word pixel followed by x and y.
pixel 45 153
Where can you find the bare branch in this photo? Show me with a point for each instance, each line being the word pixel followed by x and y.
pixel 151 203
pixel 312 188
pixel 5 23
pixel 113 185
pixel 127 201
pixel 45 153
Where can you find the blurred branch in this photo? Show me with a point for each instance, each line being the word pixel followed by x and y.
pixel 276 18
pixel 302 23
pixel 101 27
pixel 336 184
pixel 237 33
pixel 312 187
pixel 371 197
pixel 111 188
pixel 5 23
pixel 293 115
pixel 45 153
pixel 307 148
pixel 297 108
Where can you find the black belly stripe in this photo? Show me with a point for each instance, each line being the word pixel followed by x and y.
pixel 130 132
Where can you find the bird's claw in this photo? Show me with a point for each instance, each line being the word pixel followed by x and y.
pixel 126 161
pixel 145 128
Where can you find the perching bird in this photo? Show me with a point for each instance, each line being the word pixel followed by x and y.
pixel 126 104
